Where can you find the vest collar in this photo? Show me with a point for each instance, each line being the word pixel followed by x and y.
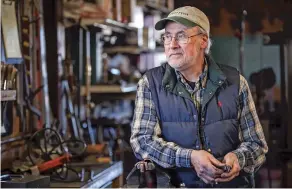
pixel 215 74
pixel 170 82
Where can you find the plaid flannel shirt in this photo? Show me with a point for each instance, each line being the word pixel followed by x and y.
pixel 146 138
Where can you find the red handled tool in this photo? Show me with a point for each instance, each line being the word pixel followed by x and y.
pixel 54 163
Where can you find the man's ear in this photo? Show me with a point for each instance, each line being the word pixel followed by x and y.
pixel 204 42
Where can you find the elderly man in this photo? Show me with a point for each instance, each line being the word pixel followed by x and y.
pixel 193 116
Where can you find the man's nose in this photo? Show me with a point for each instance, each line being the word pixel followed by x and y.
pixel 174 43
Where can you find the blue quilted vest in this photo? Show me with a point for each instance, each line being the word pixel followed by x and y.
pixel 215 129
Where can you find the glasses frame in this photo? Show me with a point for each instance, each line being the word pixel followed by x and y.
pixel 188 39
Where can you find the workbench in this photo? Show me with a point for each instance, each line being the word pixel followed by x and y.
pixel 105 175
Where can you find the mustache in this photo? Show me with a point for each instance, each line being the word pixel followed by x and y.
pixel 174 53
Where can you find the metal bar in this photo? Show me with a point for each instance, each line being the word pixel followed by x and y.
pixel 288 61
pixel 32 62
pixel 241 43
pixel 46 101
pixel 80 73
pixel 88 84
pixel 70 109
pixel 285 111
pixel 106 176
pixel 14 139
pixel 283 96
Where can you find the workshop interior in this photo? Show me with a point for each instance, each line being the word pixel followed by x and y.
pixel 69 73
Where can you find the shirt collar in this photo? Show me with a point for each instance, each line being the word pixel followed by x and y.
pixel 202 78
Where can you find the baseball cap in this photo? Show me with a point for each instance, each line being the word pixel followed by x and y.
pixel 188 16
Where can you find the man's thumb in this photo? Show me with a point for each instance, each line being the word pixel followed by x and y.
pixel 216 162
pixel 228 161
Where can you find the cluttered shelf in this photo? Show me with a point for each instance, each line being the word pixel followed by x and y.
pixel 103 24
pixel 149 6
pixel 131 50
pixel 111 92
pixel 115 22
pixel 110 89
pixel 108 23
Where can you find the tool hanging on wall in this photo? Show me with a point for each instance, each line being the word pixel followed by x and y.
pixel 87 91
pixel 8 85
pixel 68 86
pixel 29 43
pixel 46 101
pixel 8 77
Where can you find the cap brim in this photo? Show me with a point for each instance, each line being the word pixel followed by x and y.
pixel 160 25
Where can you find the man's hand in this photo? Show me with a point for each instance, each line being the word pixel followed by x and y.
pixel 206 165
pixel 231 160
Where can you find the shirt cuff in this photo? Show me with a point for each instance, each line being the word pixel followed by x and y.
pixel 183 157
pixel 240 157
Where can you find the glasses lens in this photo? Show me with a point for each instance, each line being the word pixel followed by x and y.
pixel 166 39
pixel 182 38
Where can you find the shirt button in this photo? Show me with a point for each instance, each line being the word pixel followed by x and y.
pixel 209 150
pixel 220 82
pixel 203 119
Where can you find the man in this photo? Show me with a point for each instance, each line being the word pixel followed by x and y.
pixel 193 116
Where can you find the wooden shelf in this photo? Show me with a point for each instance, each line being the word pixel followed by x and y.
pixel 110 89
pixel 123 49
pixel 114 23
pixel 8 95
pixel 148 6
pixel 108 23
pixel 131 50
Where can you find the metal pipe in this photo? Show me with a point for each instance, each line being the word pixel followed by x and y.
pixel 241 42
pixel 15 139
pixel 46 101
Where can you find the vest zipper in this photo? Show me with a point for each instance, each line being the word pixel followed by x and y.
pixel 200 130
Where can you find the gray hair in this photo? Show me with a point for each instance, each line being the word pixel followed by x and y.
pixel 207 50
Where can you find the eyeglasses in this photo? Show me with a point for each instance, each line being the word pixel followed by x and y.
pixel 181 38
